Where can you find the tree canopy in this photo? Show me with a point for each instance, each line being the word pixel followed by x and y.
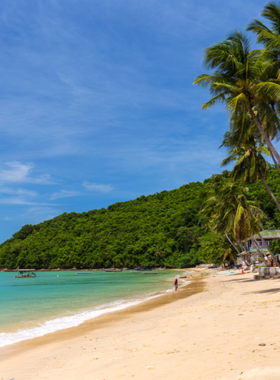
pixel 166 229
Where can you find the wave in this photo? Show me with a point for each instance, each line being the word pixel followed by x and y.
pixel 69 321
pixel 66 322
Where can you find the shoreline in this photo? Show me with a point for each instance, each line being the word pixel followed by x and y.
pixel 188 288
pixel 6 270
pixel 226 330
pixel 60 324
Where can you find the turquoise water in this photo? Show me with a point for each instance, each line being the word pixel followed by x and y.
pixel 31 307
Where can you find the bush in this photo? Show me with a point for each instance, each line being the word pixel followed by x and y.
pixel 191 259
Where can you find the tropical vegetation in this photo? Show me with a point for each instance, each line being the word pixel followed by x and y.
pixel 199 222
pixel 247 82
pixel 166 229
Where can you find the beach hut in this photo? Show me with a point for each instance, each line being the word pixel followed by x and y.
pixel 268 236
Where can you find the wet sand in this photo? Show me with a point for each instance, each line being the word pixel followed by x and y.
pixel 218 327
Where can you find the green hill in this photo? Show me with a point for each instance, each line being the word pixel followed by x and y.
pixel 164 229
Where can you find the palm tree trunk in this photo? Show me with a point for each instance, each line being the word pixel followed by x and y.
pixel 274 160
pixel 234 246
pixel 262 132
pixel 242 246
pixel 271 254
pixel 270 192
pixel 244 249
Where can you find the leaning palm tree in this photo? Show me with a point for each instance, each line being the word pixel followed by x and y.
pixel 245 215
pixel 269 37
pixel 220 219
pixel 229 255
pixel 246 81
pixel 242 128
pixel 232 212
pixel 239 214
pixel 250 164
pixel 210 199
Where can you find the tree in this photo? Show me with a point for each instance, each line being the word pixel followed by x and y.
pixel 232 211
pixel 246 81
pixel 269 37
pixel 212 199
pixel 250 164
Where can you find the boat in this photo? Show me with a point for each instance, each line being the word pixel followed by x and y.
pixel 113 270
pixel 142 269
pixel 150 273
pixel 26 273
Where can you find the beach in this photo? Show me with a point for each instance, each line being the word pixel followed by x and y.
pixel 53 301
pixel 217 327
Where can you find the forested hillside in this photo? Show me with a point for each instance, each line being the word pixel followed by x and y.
pixel 165 229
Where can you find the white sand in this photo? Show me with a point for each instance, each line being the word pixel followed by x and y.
pixel 210 335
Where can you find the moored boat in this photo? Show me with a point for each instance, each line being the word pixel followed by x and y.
pixel 26 273
pixel 113 270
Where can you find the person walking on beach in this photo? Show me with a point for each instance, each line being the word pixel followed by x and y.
pixel 176 283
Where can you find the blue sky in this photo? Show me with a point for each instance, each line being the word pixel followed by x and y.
pixel 97 103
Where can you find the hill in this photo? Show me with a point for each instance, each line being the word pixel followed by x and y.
pixel 164 229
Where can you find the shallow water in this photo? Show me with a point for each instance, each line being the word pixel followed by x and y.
pixel 31 307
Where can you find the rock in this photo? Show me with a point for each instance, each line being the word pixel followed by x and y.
pixel 262 344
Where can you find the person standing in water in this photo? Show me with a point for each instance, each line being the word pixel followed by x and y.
pixel 176 284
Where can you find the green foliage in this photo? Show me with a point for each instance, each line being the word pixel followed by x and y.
pixel 24 232
pixel 190 259
pixel 275 247
pixel 155 230
pixel 165 229
pixel 212 248
pixel 259 259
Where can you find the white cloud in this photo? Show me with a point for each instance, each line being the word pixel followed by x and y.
pixel 18 201
pixel 18 196
pixel 20 192
pixel 18 172
pixel 98 187
pixel 64 194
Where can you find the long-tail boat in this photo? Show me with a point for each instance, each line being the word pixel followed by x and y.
pixel 113 270
pixel 26 273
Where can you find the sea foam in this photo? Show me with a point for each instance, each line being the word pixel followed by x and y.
pixel 68 321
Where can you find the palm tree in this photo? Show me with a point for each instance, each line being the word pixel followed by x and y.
pixel 250 164
pixel 248 217
pixel 242 128
pixel 269 37
pixel 247 81
pixel 229 255
pixel 210 199
pixel 239 214
pixel 232 212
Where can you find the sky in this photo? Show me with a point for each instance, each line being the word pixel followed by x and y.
pixel 97 104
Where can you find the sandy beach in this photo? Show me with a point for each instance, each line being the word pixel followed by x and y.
pixel 218 327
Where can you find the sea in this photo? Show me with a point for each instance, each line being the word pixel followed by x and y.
pixel 56 300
